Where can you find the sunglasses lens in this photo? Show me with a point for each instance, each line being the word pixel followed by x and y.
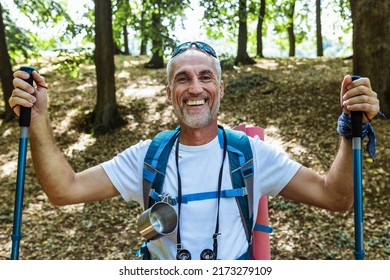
pixel 181 48
pixel 207 48
pixel 200 45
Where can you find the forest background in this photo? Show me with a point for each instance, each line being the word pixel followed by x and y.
pixel 283 62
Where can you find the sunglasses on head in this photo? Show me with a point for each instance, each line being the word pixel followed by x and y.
pixel 199 45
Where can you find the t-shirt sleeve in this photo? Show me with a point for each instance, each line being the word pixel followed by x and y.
pixel 125 171
pixel 273 167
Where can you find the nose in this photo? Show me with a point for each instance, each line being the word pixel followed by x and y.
pixel 196 87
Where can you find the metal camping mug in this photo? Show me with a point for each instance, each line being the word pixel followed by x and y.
pixel 157 221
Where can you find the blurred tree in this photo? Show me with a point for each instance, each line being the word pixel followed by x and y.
pixel 121 20
pixel 138 22
pixel 144 38
pixel 242 54
pixel 259 29
pixel 290 10
pixel 105 114
pixel 371 46
pixel 289 26
pixel 156 30
pixel 159 20
pixel 5 70
pixel 320 49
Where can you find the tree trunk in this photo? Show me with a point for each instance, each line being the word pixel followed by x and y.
pixel 290 29
pixel 320 50
pixel 5 70
pixel 371 48
pixel 157 60
pixel 143 47
pixel 144 41
pixel 242 55
pixel 259 36
pixel 117 49
pixel 126 40
pixel 106 115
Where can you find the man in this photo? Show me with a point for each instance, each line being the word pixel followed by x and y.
pixel 196 163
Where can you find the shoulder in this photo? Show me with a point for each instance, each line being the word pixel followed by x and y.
pixel 140 147
pixel 132 154
pixel 271 154
pixel 266 145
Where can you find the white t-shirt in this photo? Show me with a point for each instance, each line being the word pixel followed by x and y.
pixel 199 169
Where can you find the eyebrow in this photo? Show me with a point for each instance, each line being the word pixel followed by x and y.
pixel 185 72
pixel 181 73
pixel 207 72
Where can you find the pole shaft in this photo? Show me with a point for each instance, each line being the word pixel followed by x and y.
pixel 358 198
pixel 17 224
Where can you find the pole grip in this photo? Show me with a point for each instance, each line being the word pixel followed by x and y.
pixel 356 118
pixel 25 112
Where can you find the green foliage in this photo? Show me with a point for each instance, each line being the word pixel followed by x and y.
pixel 220 18
pixel 48 13
pixel 89 29
pixel 342 9
pixel 220 21
pixel 139 16
pixel 168 11
pixel 121 11
pixel 284 15
pixel 21 42
pixel 69 62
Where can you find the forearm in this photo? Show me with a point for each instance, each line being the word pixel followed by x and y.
pixel 338 182
pixel 52 169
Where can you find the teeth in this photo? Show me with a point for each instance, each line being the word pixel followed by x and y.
pixel 195 102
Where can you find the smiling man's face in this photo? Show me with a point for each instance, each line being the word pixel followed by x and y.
pixel 194 89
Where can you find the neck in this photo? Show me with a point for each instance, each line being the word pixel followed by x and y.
pixel 198 136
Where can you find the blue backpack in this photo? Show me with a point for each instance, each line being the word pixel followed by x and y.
pixel 241 169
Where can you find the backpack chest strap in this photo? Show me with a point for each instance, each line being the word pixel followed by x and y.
pixel 186 198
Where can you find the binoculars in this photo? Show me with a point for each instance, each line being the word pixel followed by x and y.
pixel 206 254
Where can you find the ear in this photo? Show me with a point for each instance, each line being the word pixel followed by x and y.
pixel 222 90
pixel 169 95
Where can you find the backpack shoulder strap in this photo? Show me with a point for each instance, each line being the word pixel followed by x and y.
pixel 241 168
pixel 155 163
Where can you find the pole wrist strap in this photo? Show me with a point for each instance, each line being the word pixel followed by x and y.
pixel 344 128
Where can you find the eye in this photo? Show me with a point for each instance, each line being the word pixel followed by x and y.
pixel 182 79
pixel 206 78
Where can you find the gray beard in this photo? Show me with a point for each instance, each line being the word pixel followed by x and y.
pixel 196 121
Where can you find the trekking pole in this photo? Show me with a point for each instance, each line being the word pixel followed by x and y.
pixel 24 124
pixel 356 122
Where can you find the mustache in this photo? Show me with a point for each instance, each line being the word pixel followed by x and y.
pixel 190 96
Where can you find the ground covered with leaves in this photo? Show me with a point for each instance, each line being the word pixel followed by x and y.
pixel 296 100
